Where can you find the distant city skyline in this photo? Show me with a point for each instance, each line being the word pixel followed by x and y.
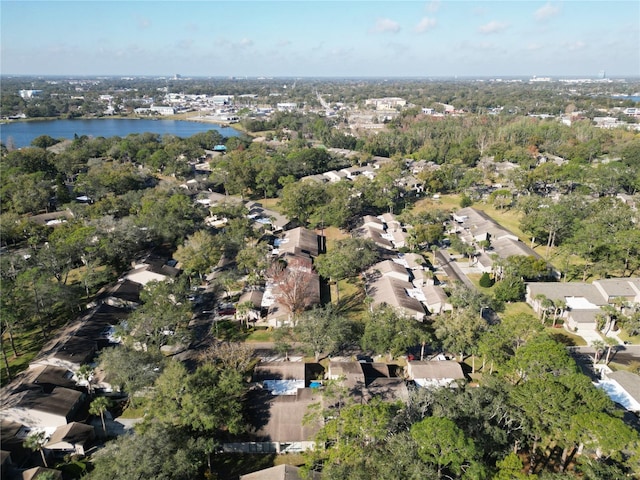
pixel 307 38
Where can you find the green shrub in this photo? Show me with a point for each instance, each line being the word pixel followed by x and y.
pixel 485 280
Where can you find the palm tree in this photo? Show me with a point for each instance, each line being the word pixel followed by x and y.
pixel 598 347
pixel 35 442
pixel 85 374
pixel 611 343
pixel 98 407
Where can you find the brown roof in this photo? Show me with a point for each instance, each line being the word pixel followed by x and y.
pixel 435 370
pixel 300 240
pixel 281 418
pixel 253 296
pixel 279 371
pixel 393 292
pixel 61 401
pixel 36 472
pixel 279 472
pixel 74 433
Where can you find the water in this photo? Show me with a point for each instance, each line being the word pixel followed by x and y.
pixel 23 133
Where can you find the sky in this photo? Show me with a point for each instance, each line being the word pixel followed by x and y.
pixel 321 38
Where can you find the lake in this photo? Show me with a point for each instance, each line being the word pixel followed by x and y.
pixel 22 133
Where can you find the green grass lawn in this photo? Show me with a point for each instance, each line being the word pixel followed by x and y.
pixel 517 308
pixel 260 335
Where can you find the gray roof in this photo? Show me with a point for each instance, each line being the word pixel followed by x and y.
pixel 618 287
pixel 629 381
pixel 479 223
pixel 388 266
pixel 507 247
pixel 436 370
pixel 559 291
pixel 279 472
pixel 584 316
pixel 279 371
pixel 393 292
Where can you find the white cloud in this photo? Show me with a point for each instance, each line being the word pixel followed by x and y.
pixel 546 12
pixel 425 25
pixel 532 47
pixel 385 25
pixel 283 43
pixel 433 6
pixel 245 42
pixel 493 27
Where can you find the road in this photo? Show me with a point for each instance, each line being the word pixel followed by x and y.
pixel 623 354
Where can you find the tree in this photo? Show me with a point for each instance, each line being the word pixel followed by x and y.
pixel 199 253
pixel 387 332
pixel 301 199
pixel 510 468
pixel 509 289
pixel 460 332
pixel 98 406
pixel 442 443
pixel 208 400
pixel 160 451
pixel 295 284
pixel 347 259
pixel 322 330
pixel 162 318
pixel 36 442
pixel 85 374
pixel 130 370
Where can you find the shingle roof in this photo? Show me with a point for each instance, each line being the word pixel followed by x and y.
pixel 279 371
pixel 629 381
pixel 74 433
pixel 436 370
pixel 279 472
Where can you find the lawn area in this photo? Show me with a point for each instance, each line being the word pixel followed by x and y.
pixel 260 335
pixel 517 308
pixel 562 336
pixel 271 204
pixel 445 202
pixel 332 234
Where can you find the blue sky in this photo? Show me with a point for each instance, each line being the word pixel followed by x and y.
pixel 321 38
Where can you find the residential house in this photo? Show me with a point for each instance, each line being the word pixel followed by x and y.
pixel 73 438
pixel 300 241
pixel 38 472
pixel 279 472
pixel 281 378
pixel 436 299
pixel 624 388
pixel 151 268
pixel 368 380
pixel 254 298
pixel 581 302
pixel 335 175
pixel 37 409
pixel 388 284
pixel 389 268
pixel 438 373
pixel 278 423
